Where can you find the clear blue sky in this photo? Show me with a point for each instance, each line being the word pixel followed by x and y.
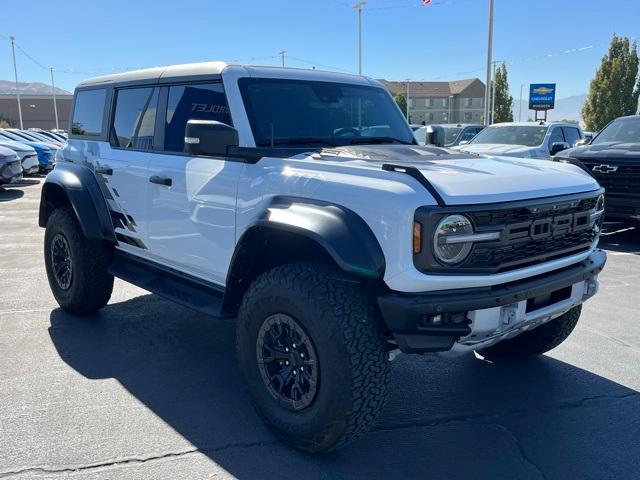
pixel 402 39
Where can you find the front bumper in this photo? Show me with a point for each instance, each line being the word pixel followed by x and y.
pixel 434 321
pixel 11 172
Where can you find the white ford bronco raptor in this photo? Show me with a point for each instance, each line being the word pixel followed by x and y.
pixel 299 203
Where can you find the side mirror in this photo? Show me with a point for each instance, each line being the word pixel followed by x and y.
pixel 208 137
pixel 558 147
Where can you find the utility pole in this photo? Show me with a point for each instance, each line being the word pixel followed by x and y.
pixel 520 106
pixel 489 54
pixel 359 6
pixel 53 91
pixel 12 40
pixel 282 53
pixel 407 102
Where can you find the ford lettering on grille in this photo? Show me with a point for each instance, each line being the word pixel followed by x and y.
pixel 548 227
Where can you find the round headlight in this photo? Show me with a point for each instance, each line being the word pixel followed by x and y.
pixel 449 245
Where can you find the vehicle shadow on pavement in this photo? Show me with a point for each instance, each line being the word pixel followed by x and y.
pixel 621 237
pixel 8 194
pixel 445 418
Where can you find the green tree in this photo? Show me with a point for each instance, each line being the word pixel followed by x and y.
pixel 401 100
pixel 503 108
pixel 614 89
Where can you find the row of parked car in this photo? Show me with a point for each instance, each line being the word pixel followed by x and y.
pixel 26 152
pixel 611 156
pixel 514 139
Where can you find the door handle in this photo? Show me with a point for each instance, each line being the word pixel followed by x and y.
pixel 104 170
pixel 161 180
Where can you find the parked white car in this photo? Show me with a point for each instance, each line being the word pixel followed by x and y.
pixel 524 139
pixel 27 155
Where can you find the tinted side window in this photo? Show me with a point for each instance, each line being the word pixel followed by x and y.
pixel 135 118
pixel 556 136
pixel 192 102
pixel 571 134
pixel 88 111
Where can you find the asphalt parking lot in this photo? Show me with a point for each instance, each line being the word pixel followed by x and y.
pixel 149 389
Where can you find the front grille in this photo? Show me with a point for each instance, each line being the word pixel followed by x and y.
pixel 625 181
pixel 531 232
pixel 531 252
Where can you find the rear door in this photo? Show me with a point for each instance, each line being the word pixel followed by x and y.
pixel 192 200
pixel 123 163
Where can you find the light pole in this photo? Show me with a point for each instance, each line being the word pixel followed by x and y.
pixel 282 53
pixel 359 6
pixel 520 106
pixel 12 40
pixel 489 54
pixel 55 105
pixel 407 102
pixel 450 118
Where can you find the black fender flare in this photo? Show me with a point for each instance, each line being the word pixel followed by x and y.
pixel 341 232
pixel 83 192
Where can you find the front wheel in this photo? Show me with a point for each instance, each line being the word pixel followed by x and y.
pixel 76 267
pixel 537 341
pixel 311 348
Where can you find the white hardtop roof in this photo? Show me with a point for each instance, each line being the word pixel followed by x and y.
pixel 216 68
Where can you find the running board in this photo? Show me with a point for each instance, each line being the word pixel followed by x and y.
pixel 174 286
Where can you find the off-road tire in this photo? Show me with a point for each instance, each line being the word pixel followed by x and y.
pixel 345 329
pixel 537 341
pixel 91 284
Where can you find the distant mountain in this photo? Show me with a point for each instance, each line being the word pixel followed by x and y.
pixel 568 108
pixel 33 88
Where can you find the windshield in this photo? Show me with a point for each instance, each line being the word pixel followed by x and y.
pixel 11 136
pixel 299 112
pixel 450 135
pixel 526 135
pixel 626 130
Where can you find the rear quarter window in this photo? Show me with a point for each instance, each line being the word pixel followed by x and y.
pixel 88 112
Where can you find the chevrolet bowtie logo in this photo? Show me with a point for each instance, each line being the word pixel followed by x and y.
pixel 542 90
pixel 604 168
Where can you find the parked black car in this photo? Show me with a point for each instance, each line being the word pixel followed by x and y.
pixel 613 158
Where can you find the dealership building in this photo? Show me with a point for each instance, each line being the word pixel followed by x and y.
pixel 456 101
pixel 37 110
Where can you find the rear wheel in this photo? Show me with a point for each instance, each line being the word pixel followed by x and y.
pixel 76 267
pixel 537 341
pixel 313 355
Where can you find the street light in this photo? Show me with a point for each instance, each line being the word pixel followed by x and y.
pixel 359 6
pixel 12 40
pixel 407 102
pixel 55 105
pixel 489 54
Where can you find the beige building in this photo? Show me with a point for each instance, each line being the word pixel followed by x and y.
pixel 458 101
pixel 37 110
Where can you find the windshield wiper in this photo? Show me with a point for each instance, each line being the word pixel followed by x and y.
pixel 297 141
pixel 376 140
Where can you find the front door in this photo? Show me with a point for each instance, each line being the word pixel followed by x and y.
pixel 192 200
